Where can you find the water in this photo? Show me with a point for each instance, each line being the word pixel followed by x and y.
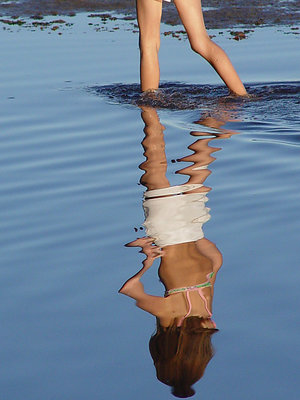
pixel 70 199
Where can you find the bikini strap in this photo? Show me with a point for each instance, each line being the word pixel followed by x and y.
pixel 210 275
pixel 200 291
pixel 190 308
pixel 205 301
pixel 187 288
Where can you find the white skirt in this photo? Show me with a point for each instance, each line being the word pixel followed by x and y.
pixel 177 218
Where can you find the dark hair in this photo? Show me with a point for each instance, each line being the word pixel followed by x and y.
pixel 181 354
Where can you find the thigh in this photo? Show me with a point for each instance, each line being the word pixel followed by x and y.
pixel 190 13
pixel 149 17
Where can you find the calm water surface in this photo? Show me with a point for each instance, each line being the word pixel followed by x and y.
pixel 70 198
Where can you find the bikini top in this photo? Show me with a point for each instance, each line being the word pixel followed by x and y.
pixel 187 290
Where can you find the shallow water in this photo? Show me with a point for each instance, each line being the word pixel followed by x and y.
pixel 70 199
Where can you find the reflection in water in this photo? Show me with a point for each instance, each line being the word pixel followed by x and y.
pixel 174 215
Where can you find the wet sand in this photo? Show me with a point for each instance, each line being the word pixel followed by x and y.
pixel 218 14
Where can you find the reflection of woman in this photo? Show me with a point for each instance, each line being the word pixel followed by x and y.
pixel 174 219
pixel 190 12
pixel 181 347
pixel 188 272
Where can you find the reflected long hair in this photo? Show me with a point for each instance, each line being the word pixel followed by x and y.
pixel 181 354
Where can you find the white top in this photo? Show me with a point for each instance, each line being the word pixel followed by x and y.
pixel 177 217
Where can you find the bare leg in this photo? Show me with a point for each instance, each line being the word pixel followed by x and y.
pixel 149 16
pixel 155 166
pixel 190 13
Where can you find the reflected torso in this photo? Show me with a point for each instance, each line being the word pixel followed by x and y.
pixel 183 265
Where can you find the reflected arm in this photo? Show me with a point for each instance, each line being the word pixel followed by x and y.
pixel 134 288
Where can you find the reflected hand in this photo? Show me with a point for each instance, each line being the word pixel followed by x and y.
pixel 149 248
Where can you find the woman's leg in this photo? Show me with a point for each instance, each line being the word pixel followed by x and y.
pixel 149 16
pixel 155 166
pixel 190 13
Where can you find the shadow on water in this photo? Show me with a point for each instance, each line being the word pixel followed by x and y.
pixel 181 347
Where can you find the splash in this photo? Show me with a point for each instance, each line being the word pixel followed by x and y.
pixel 171 96
pixel 277 99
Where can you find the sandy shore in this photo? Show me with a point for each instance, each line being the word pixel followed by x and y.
pixel 218 14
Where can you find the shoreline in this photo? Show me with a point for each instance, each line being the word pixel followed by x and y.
pixel 116 21
pixel 225 14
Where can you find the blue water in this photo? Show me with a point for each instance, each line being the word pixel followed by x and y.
pixel 70 199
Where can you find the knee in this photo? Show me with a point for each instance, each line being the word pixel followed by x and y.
pixel 202 47
pixel 149 44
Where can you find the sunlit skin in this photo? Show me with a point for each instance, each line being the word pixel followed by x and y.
pixel 183 264
pixel 190 12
